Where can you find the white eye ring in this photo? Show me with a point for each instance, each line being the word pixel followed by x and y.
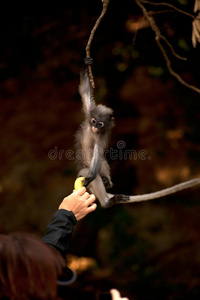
pixel 101 124
pixel 93 121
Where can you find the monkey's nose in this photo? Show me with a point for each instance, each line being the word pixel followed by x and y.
pixel 94 129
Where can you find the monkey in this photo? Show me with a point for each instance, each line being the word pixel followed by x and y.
pixel 91 141
pixel 93 136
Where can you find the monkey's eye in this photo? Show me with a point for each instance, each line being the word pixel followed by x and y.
pixel 101 124
pixel 93 121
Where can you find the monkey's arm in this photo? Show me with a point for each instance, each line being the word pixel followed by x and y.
pixel 94 165
pixel 96 187
pixel 85 88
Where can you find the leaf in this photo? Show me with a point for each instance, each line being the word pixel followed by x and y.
pixel 196 31
pixel 196 5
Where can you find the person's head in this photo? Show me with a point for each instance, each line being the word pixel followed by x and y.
pixel 29 269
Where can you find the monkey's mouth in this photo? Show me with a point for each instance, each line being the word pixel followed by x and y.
pixel 95 129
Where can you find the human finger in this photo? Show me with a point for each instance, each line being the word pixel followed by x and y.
pixel 115 294
pixel 92 207
pixel 81 191
pixel 85 196
pixel 91 199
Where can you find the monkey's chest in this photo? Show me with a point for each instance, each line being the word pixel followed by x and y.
pixel 87 150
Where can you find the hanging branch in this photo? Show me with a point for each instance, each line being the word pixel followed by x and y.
pixel 196 19
pixel 105 5
pixel 158 37
pixel 169 5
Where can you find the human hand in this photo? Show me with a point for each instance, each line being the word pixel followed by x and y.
pixel 80 203
pixel 116 295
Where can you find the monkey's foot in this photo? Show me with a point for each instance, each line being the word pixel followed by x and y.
pixel 116 199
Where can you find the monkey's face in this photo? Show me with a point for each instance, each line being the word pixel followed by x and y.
pixel 100 119
pixel 97 125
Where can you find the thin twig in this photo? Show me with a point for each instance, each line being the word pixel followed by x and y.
pixel 172 72
pixel 105 5
pixel 171 48
pixel 158 36
pixel 162 11
pixel 169 5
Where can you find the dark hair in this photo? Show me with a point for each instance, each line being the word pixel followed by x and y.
pixel 28 268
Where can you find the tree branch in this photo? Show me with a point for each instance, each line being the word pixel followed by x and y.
pixel 105 5
pixel 171 48
pixel 158 36
pixel 169 5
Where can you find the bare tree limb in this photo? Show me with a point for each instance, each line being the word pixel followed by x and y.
pixel 105 5
pixel 196 19
pixel 171 48
pixel 169 5
pixel 158 37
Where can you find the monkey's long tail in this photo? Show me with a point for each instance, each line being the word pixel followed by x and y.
pixel 119 198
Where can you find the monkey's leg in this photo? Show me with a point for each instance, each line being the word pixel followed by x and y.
pixel 106 182
pixel 96 187
pixel 94 166
pixel 105 174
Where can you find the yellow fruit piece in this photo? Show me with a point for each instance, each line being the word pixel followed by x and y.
pixel 79 182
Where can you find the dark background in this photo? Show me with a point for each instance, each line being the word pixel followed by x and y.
pixel 148 250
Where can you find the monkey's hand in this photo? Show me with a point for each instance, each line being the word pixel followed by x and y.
pixel 88 61
pixel 87 181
